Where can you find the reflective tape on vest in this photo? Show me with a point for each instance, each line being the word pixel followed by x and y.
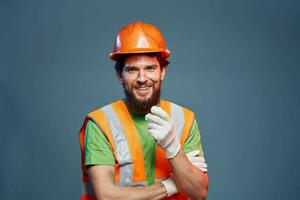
pixel 121 146
pixel 178 118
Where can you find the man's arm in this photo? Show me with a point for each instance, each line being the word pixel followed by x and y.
pixel 193 149
pixel 189 179
pixel 102 178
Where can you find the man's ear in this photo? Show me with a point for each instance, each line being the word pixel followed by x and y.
pixel 119 76
pixel 162 73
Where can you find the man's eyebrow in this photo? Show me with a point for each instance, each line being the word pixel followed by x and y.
pixel 132 66
pixel 151 65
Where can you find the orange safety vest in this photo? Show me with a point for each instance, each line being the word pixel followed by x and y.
pixel 116 124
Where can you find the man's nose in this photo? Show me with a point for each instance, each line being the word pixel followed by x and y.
pixel 141 76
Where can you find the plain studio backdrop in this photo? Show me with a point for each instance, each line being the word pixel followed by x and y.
pixel 234 63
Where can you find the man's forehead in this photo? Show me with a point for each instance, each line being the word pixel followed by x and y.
pixel 141 59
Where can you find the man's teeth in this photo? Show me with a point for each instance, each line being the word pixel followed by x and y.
pixel 142 88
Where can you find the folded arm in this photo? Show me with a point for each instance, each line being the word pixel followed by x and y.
pixel 102 178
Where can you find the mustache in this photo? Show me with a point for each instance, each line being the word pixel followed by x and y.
pixel 146 84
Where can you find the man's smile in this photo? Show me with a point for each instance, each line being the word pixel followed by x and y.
pixel 143 90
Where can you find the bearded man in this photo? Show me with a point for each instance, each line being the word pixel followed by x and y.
pixel 142 147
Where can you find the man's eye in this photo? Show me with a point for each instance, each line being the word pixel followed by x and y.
pixel 131 70
pixel 150 69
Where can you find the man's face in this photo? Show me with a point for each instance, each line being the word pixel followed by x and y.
pixel 141 78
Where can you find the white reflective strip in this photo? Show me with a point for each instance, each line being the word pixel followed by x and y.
pixel 87 188
pixel 178 118
pixel 122 150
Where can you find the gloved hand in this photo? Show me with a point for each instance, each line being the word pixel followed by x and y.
pixel 161 127
pixel 170 186
pixel 197 161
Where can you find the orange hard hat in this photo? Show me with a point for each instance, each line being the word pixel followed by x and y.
pixel 139 37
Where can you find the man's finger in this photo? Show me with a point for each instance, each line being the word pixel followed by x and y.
pixel 159 112
pixel 154 126
pixel 154 133
pixel 193 153
pixel 155 119
pixel 198 162
pixel 197 159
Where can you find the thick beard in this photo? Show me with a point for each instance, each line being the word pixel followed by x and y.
pixel 142 106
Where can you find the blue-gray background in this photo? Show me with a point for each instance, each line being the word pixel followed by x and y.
pixel 235 63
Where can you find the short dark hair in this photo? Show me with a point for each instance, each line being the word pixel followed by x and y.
pixel 119 66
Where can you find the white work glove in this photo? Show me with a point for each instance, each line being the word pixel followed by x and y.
pixel 161 127
pixel 197 161
pixel 170 186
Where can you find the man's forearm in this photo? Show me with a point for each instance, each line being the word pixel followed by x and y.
pixel 155 192
pixel 189 180
pixel 102 179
